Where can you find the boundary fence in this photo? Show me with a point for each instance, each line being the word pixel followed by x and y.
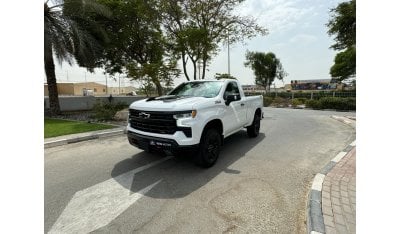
pixel 83 103
pixel 307 95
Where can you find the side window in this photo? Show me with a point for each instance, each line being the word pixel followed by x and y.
pixel 231 89
pixel 235 88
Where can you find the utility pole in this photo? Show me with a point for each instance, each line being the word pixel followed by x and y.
pixel 85 93
pixel 106 84
pixel 229 58
pixel 119 86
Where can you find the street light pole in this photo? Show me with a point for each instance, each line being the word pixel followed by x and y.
pixel 106 84
pixel 229 58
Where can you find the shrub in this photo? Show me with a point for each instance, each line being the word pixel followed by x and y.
pixel 338 103
pixel 351 103
pixel 280 102
pixel 296 102
pixel 107 110
pixel 314 104
pixel 302 100
pixel 268 101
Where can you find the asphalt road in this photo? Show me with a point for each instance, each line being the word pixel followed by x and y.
pixel 258 185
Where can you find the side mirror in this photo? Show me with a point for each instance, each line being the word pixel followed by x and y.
pixel 232 98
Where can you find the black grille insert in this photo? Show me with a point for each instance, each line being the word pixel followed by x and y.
pixel 155 122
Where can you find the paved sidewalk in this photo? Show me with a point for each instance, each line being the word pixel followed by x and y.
pixel 339 196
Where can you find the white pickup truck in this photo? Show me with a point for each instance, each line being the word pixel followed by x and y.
pixel 195 115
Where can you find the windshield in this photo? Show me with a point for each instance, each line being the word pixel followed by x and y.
pixel 207 89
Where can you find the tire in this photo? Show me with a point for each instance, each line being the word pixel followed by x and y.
pixel 254 129
pixel 209 148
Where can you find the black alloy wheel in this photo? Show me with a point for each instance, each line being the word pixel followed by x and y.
pixel 209 149
pixel 254 129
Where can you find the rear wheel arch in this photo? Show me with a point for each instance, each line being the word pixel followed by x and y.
pixel 258 112
pixel 254 129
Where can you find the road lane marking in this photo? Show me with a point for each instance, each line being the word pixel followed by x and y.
pixel 98 205
pixel 317 183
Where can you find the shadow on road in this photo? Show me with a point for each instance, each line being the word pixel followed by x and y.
pixel 179 178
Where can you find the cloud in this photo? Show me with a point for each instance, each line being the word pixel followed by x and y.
pixel 303 39
pixel 276 15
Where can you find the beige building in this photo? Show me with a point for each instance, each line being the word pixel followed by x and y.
pixel 288 87
pixel 121 90
pixel 79 89
pixel 253 89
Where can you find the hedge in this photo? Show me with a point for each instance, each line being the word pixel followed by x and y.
pixel 338 103
pixel 332 103
pixel 107 110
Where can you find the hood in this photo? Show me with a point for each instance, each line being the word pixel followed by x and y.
pixel 167 103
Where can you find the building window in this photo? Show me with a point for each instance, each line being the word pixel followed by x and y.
pixel 95 89
pixel 104 90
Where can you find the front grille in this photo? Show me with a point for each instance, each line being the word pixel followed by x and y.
pixel 155 122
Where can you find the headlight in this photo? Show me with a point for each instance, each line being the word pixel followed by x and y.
pixel 188 114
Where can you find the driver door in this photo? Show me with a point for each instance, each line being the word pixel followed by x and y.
pixel 235 112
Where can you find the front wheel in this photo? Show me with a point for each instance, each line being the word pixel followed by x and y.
pixel 254 129
pixel 209 148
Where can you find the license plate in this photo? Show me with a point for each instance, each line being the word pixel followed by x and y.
pixel 160 144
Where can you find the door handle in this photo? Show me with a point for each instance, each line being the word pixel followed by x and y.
pixel 242 104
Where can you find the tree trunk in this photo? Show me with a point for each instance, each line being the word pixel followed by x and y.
pixel 158 86
pixel 204 69
pixel 184 62
pixel 194 62
pixel 51 80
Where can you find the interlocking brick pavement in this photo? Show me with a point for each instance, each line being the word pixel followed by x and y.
pixel 339 196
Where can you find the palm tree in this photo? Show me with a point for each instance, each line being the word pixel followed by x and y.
pixel 71 32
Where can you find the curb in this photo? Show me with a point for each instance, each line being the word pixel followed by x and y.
pixel 91 136
pixel 315 220
pixel 344 119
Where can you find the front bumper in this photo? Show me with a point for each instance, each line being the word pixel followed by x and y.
pixel 149 143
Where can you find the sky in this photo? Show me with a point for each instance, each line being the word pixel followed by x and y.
pixel 297 36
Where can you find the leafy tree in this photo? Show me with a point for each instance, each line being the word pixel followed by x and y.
pixel 146 87
pixel 138 47
pixel 343 26
pixel 155 72
pixel 219 76
pixel 345 64
pixel 71 32
pixel 196 28
pixel 266 67
pixel 280 72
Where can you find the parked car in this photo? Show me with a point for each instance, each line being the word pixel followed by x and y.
pixel 133 93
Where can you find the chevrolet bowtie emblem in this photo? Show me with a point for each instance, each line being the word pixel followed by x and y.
pixel 144 115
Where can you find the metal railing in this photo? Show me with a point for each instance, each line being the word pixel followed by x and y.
pixel 308 95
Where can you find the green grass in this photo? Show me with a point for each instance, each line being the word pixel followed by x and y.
pixel 59 127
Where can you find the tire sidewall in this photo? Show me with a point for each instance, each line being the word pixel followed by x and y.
pixel 257 124
pixel 253 130
pixel 210 136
